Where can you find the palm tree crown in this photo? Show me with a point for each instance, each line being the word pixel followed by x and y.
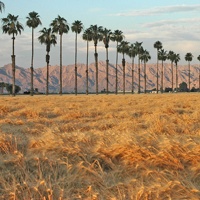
pixel 107 34
pixel 123 47
pixel 59 25
pixel 117 36
pixel 77 26
pixel 158 45
pixel 96 33
pixel 87 35
pixel 33 20
pixel 162 55
pixel 47 38
pixel 11 25
pixel 145 56
pixel 188 57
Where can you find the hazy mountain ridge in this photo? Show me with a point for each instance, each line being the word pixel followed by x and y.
pixel 23 76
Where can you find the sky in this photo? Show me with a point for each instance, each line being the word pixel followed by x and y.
pixel 175 23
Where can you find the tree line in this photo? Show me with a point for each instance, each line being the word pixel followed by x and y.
pixel 95 33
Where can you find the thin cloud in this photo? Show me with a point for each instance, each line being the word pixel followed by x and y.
pixel 161 10
pixel 171 22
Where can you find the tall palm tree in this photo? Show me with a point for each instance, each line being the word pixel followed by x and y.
pixel 96 37
pixel 76 27
pixel 123 48
pixel 158 46
pixel 162 55
pixel 132 53
pixel 2 6
pixel 33 21
pixel 87 35
pixel 198 58
pixel 139 49
pixel 117 37
pixel 171 57
pixel 176 60
pixel 49 39
pixel 145 56
pixel 59 25
pixel 106 33
pixel 188 57
pixel 12 26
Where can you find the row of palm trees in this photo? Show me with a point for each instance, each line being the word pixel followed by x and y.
pixel 94 33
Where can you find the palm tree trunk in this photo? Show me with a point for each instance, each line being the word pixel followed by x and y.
pixel 172 76
pixel 157 74
pixel 176 78
pixel 189 75
pixel 145 78
pixel 13 65
pixel 32 62
pixel 76 65
pixel 96 64
pixel 138 74
pixel 87 67
pixel 60 92
pixel 116 71
pixel 107 62
pixel 47 81
pixel 162 78
pixel 123 64
pixel 132 76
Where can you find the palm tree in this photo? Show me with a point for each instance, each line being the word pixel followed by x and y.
pixel 198 58
pixel 139 49
pixel 145 56
pixel 171 57
pixel 33 21
pixel 77 27
pixel 59 25
pixel 117 37
pixel 106 33
pixel 2 6
pixel 96 36
pixel 87 35
pixel 176 60
pixel 158 46
pixel 47 38
pixel 123 48
pixel 12 26
pixel 188 57
pixel 132 53
pixel 162 55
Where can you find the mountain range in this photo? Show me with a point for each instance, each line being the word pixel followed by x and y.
pixel 23 77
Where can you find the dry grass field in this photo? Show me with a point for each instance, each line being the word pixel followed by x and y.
pixel 124 147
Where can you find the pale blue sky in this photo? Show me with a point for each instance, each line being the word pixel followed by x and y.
pixel 175 23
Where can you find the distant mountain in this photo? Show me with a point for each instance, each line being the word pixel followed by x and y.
pixel 23 77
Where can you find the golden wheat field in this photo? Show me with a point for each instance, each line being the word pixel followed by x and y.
pixel 124 147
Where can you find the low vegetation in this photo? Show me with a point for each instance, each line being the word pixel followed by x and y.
pixel 140 147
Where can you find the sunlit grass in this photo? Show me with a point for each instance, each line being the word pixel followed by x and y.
pixel 140 147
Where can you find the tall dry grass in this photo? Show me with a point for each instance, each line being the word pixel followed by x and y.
pixel 132 147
